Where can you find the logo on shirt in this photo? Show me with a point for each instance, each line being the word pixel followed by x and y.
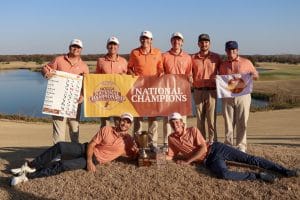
pixel 107 95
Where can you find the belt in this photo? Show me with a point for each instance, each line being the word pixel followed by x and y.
pixel 205 88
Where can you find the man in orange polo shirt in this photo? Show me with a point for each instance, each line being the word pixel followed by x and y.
pixel 111 63
pixel 71 63
pixel 187 145
pixel 236 110
pixel 176 61
pixel 146 61
pixel 205 69
pixel 108 144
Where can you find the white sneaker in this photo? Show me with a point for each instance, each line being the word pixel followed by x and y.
pixel 241 149
pixel 18 179
pixel 24 169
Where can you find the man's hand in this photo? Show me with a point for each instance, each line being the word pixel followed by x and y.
pixel 90 166
pixel 50 74
pixel 80 100
pixel 182 162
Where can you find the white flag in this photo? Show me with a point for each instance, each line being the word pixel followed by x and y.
pixel 234 85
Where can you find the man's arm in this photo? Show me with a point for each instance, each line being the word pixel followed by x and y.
pixel 89 156
pixel 196 156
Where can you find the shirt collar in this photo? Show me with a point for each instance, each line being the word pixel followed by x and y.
pixel 198 55
pixel 141 52
pixel 172 53
pixel 107 57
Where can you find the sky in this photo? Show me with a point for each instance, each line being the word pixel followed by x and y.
pixel 47 26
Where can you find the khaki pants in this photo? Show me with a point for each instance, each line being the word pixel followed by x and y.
pixel 59 127
pixel 205 101
pixel 168 129
pixel 236 113
pixel 152 128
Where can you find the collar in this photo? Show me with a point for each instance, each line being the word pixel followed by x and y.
pixel 150 52
pixel 172 53
pixel 68 60
pixel 108 58
pixel 198 55
pixel 234 60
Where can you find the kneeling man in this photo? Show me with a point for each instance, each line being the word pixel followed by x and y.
pixel 190 144
pixel 108 144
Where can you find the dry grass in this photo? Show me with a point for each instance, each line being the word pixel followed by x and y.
pixel 122 179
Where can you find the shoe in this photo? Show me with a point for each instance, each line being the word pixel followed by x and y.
pixel 241 149
pixel 293 173
pixel 18 179
pixel 270 178
pixel 24 169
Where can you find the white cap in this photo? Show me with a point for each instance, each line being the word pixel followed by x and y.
pixel 76 42
pixel 177 34
pixel 113 39
pixel 147 34
pixel 127 116
pixel 175 115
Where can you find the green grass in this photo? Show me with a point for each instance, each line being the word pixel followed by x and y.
pixel 277 71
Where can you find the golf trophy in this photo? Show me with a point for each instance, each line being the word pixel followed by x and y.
pixel 148 156
pixel 143 142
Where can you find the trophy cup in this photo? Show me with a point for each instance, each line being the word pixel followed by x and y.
pixel 143 142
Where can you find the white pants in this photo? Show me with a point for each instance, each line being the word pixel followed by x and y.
pixel 236 113
pixel 59 127
pixel 206 101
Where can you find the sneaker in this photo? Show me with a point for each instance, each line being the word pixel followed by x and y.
pixel 18 179
pixel 24 169
pixel 241 149
pixel 293 173
pixel 270 178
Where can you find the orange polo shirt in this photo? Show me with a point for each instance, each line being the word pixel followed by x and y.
pixel 238 66
pixel 145 64
pixel 107 65
pixel 62 63
pixel 186 144
pixel 177 64
pixel 111 144
pixel 205 69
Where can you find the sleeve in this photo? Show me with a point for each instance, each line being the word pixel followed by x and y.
pixel 131 62
pixel 160 67
pixel 189 66
pixel 199 140
pixel 172 150
pixel 252 69
pixel 125 66
pixel 98 67
pixel 98 138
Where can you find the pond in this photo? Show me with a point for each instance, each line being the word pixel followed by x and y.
pixel 23 92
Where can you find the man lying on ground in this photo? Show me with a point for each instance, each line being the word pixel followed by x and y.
pixel 108 144
pixel 190 144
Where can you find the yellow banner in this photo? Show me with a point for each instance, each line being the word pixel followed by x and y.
pixel 113 94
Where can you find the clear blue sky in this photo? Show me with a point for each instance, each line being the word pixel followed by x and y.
pixel 47 26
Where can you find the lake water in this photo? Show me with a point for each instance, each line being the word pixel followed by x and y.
pixel 23 92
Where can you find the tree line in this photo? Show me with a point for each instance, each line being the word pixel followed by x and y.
pixel 41 58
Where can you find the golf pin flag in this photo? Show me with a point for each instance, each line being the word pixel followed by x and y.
pixel 234 85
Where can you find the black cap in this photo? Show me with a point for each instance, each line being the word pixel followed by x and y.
pixel 203 37
pixel 231 45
